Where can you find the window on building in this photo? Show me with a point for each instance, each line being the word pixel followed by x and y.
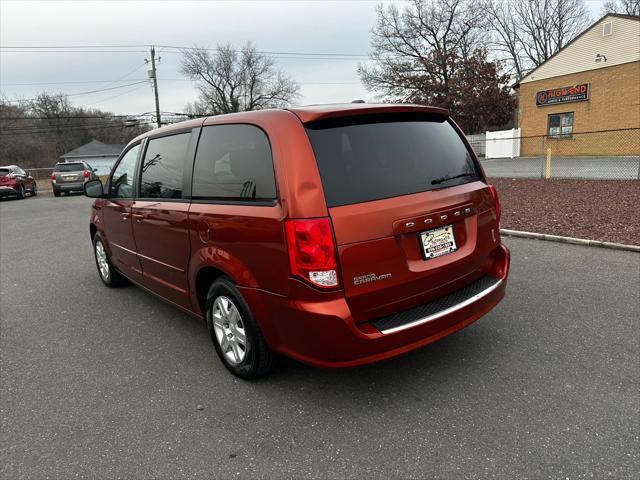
pixel 561 125
pixel 234 162
pixel 161 175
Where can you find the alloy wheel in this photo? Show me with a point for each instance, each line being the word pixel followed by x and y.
pixel 103 263
pixel 229 330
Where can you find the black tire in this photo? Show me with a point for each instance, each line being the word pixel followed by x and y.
pixel 34 190
pixel 113 278
pixel 56 193
pixel 258 359
pixel 21 191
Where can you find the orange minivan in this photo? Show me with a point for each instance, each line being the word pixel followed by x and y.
pixel 337 235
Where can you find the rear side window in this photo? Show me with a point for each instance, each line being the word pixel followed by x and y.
pixel 370 158
pixel 4 172
pixel 163 165
pixel 69 167
pixel 233 162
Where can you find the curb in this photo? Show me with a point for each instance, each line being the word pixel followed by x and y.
pixel 572 240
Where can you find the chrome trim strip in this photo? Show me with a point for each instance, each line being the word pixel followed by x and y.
pixel 123 248
pixel 147 258
pixel 160 263
pixel 446 311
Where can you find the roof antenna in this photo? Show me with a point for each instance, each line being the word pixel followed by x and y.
pixel 358 101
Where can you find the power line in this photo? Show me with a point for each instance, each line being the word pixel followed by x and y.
pixel 134 89
pixel 83 49
pixel 143 79
pixel 85 93
pixel 64 83
pixel 145 114
pixel 44 131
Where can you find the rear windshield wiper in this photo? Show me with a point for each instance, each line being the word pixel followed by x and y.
pixel 445 179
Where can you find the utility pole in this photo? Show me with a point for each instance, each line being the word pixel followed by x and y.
pixel 154 77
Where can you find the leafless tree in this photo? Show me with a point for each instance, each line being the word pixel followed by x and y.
pixel 414 49
pixel 34 133
pixel 431 53
pixel 627 7
pixel 528 32
pixel 230 80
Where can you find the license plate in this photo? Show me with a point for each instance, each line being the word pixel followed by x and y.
pixel 438 242
pixel 69 177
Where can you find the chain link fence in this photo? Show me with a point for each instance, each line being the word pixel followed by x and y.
pixel 598 155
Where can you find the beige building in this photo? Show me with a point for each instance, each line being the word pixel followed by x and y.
pixel 591 85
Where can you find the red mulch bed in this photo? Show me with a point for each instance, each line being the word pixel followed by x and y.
pixel 605 210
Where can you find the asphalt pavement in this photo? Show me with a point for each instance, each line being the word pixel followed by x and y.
pixel 106 383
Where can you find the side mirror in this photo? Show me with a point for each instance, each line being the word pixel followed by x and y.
pixel 94 189
pixel 27 173
pixel 95 170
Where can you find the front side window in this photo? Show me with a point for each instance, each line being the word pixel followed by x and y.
pixel 233 163
pixel 382 156
pixel 163 166
pixel 561 125
pixel 121 185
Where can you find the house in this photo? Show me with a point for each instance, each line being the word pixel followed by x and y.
pixel 100 156
pixel 590 85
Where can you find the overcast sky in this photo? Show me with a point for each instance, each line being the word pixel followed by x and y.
pixel 322 26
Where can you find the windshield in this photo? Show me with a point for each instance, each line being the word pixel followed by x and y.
pixel 369 158
pixel 69 167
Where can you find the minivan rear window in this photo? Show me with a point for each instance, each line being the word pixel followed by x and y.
pixel 374 157
pixel 69 167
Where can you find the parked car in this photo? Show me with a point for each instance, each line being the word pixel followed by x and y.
pixel 336 235
pixel 14 181
pixel 70 177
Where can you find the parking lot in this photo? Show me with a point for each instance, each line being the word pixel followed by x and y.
pixel 115 383
pixel 591 168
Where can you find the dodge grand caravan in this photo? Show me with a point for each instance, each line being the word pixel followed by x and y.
pixel 337 235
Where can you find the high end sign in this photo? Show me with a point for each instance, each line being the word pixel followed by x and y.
pixel 577 93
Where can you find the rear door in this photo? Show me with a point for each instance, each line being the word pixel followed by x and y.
pixel 116 216
pixel 160 215
pixel 411 213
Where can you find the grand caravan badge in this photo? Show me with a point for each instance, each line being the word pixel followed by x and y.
pixel 372 277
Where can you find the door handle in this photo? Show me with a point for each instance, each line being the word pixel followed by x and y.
pixel 138 216
pixel 125 216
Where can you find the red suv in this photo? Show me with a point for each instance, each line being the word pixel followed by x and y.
pixel 337 235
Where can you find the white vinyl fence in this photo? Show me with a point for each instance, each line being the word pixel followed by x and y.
pixel 503 144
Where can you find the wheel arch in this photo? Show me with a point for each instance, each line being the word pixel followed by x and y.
pixel 206 275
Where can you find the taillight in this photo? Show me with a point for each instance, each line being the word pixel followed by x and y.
pixel 496 202
pixel 87 173
pixel 53 177
pixel 312 251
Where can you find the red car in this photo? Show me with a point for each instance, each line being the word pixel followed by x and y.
pixel 336 235
pixel 15 182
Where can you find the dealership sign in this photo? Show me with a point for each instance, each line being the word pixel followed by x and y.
pixel 577 93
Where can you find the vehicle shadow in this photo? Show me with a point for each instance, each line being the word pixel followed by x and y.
pixel 457 360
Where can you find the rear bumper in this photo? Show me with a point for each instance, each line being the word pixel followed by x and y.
pixel 317 328
pixel 6 190
pixel 68 187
